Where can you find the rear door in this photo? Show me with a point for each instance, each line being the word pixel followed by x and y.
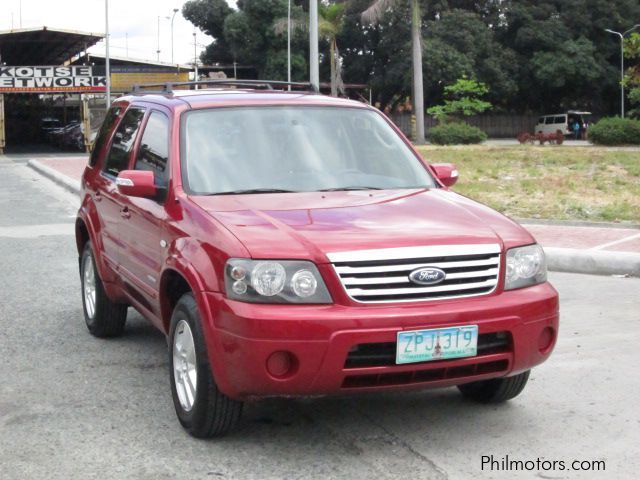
pixel 111 203
pixel 142 233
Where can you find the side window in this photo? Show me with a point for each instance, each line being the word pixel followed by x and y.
pixel 123 140
pixel 105 128
pixel 549 121
pixel 153 153
pixel 561 119
pixel 541 120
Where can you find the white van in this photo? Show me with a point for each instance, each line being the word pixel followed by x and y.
pixel 561 121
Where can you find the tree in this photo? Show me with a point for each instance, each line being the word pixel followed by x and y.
pixel 246 35
pixel 374 14
pixel 632 76
pixel 330 21
pixel 462 98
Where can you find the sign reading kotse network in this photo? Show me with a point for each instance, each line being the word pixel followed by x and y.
pixel 50 80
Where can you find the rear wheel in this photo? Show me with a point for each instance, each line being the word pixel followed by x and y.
pixel 103 317
pixel 202 409
pixel 496 390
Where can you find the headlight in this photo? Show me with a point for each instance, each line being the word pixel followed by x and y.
pixel 274 281
pixel 526 266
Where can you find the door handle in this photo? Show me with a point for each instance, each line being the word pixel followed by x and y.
pixel 125 213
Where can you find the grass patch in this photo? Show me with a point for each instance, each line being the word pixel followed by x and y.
pixel 562 183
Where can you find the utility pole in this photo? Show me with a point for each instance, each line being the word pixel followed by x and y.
pixel 107 59
pixel 314 73
pixel 195 59
pixel 158 50
pixel 622 35
pixel 175 10
pixel 289 44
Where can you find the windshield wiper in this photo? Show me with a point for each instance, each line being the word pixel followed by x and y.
pixel 254 190
pixel 338 189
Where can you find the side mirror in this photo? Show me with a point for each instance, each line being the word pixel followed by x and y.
pixel 447 173
pixel 137 183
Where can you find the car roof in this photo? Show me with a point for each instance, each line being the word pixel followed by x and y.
pixel 213 97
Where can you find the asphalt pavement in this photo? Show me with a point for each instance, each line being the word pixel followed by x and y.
pixel 76 407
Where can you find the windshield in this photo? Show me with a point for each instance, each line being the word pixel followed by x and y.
pixel 283 149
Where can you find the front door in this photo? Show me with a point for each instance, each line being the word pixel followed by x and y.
pixel 142 237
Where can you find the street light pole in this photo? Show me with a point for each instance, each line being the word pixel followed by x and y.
pixel 289 44
pixel 314 73
pixel 158 50
pixel 195 60
pixel 107 59
pixel 622 35
pixel 175 10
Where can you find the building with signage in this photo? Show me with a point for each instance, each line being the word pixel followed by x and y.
pixel 52 92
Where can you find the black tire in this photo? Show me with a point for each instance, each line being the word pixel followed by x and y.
pixel 212 414
pixel 496 390
pixel 108 318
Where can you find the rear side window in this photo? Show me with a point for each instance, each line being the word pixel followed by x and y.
pixel 103 133
pixel 541 120
pixel 123 140
pixel 153 153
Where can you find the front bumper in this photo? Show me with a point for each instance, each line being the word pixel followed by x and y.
pixel 241 337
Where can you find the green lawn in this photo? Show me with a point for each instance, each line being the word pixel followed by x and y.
pixel 550 182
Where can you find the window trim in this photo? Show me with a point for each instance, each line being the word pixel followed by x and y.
pixel 134 147
pixel 138 142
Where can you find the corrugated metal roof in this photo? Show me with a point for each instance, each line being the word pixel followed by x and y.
pixel 43 46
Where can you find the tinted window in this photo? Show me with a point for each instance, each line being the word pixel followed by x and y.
pixel 123 141
pixel 541 120
pixel 560 119
pixel 102 137
pixel 153 153
pixel 549 121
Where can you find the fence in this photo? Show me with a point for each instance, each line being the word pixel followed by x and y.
pixel 496 126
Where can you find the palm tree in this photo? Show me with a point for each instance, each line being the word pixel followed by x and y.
pixel 374 14
pixel 330 21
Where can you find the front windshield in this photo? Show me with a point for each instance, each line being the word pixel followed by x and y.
pixel 295 148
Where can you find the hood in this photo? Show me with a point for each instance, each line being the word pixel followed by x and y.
pixel 309 225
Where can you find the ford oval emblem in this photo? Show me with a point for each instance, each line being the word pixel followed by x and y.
pixel 427 276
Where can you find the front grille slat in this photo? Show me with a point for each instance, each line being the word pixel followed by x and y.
pixel 375 276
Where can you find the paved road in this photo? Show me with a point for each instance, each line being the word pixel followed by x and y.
pixel 75 407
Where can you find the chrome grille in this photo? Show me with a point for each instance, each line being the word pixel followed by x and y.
pixel 372 276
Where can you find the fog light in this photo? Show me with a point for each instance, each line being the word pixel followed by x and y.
pixel 281 364
pixel 546 339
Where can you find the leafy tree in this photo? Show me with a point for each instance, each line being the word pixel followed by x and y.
pixel 462 98
pixel 373 15
pixel 330 21
pixel 632 76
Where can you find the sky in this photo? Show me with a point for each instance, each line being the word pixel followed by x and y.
pixel 133 25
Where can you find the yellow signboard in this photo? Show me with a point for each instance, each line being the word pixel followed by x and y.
pixel 124 82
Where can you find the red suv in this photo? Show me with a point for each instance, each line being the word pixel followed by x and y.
pixel 289 243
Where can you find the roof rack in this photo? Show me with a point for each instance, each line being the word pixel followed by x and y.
pixel 168 87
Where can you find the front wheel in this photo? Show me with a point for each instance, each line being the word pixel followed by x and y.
pixel 103 317
pixel 496 390
pixel 202 409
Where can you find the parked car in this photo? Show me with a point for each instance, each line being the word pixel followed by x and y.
pixel 549 124
pixel 289 243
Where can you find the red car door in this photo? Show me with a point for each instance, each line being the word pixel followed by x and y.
pixel 110 199
pixel 142 229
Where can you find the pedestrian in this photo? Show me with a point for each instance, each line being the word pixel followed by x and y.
pixel 576 130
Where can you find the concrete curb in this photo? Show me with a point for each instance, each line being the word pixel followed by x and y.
pixel 55 176
pixel 594 262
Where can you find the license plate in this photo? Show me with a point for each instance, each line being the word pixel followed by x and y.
pixel 437 344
